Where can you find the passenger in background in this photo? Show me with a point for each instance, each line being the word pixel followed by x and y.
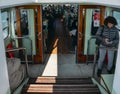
pixel 110 39
pixel 74 35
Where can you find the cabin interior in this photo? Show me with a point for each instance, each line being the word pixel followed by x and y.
pixel 36 45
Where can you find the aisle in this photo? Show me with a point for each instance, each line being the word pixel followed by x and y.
pixel 62 37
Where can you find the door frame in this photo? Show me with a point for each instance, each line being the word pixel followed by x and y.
pixel 38 58
pixel 81 28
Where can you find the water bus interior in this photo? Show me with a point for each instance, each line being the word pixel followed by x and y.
pixel 37 52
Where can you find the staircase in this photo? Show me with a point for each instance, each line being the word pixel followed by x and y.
pixel 54 85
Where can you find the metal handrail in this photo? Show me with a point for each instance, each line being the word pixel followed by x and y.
pixel 26 37
pixel 93 37
pixel 100 85
pixel 26 59
pixel 107 89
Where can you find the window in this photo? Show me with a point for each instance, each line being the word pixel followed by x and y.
pixel 116 14
pixel 5 26
pixel 95 21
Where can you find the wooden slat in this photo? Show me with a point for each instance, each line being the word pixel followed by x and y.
pixel 60 80
pixel 60 88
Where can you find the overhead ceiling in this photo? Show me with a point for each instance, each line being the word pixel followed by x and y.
pixel 9 3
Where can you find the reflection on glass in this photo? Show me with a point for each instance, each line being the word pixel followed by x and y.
pixel 116 14
pixel 24 22
pixel 4 17
pixel 5 32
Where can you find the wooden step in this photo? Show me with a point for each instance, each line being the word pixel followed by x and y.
pixel 54 80
pixel 60 89
pixel 57 85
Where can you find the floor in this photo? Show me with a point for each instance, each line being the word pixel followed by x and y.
pixel 61 65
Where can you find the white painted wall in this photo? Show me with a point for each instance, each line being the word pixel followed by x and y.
pixel 8 3
pixel 112 3
pixel 88 34
pixel 4 81
pixel 61 1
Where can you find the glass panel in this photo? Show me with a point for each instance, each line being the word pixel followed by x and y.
pixel 5 23
pixel 95 21
pixel 27 32
pixel 92 24
pixel 24 22
pixel 116 14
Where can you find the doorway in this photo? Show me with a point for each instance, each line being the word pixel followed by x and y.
pixel 84 28
pixel 29 26
pixel 58 22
